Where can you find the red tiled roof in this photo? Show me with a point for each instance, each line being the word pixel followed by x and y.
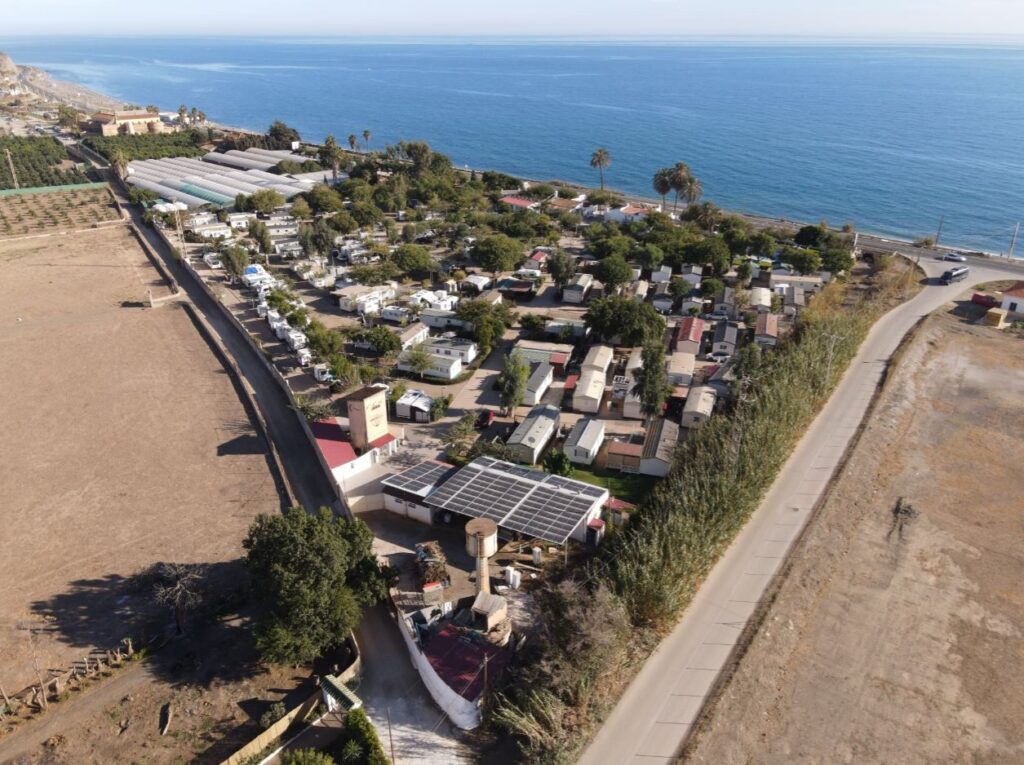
pixel 382 441
pixel 539 256
pixel 571 380
pixel 521 202
pixel 1017 290
pixel 690 328
pixel 625 449
pixel 767 324
pixel 614 503
pixel 333 443
pixel 559 358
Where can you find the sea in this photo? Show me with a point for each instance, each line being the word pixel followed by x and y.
pixel 898 139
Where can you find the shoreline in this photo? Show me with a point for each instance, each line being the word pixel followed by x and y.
pixel 57 89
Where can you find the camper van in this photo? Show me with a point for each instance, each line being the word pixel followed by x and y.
pixel 955 275
pixel 323 374
pixel 304 356
pixel 296 340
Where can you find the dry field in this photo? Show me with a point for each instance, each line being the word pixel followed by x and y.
pixel 901 638
pixel 125 443
pixel 25 214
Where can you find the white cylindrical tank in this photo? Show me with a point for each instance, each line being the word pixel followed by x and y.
pixel 486 531
pixel 536 556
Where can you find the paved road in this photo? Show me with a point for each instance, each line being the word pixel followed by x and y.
pixel 653 718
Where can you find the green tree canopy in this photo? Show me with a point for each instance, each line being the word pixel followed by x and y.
pixel 804 261
pixel 557 462
pixel 711 251
pixel 383 340
pixel 498 253
pixel 265 200
pixel 414 259
pixel 322 198
pixel 515 373
pixel 562 267
pixel 651 385
pixel 613 272
pixel 418 360
pixel 631 320
pixel 311 573
pixel 301 209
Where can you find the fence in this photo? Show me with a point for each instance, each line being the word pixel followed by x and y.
pixel 50 189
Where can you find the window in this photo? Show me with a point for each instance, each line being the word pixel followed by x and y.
pixel 1013 307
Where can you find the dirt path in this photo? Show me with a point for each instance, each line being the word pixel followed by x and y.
pixel 899 638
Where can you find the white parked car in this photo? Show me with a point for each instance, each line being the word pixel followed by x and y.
pixel 323 374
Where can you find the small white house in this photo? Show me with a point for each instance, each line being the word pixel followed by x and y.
pixel 599 357
pixel 542 374
pixel 576 290
pixel 585 440
pixel 589 391
pixel 640 289
pixel 700 405
pixel 240 221
pixel 533 434
pixel 477 282
pixel 693 275
pixel 465 350
pixel 761 299
pixel 1013 299
pixel 396 313
pixel 414 405
pixel 662 275
pixel 659 448
pixel 662 300
pixel 436 318
pixel 679 373
pixel 441 367
pixel 414 334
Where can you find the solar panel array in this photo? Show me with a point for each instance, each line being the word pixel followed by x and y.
pixel 517 498
pixel 418 479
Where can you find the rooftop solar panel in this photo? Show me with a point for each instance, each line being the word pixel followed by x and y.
pixel 420 478
pixel 518 499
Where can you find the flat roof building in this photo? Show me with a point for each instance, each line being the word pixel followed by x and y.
pixel 534 433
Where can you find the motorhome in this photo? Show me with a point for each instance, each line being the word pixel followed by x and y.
pixel 955 275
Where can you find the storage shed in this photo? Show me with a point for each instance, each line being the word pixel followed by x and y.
pixel 589 391
pixel 534 433
pixel 585 440
pixel 700 405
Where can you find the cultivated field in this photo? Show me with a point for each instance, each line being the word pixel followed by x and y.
pixel 898 637
pixel 55 211
pixel 125 443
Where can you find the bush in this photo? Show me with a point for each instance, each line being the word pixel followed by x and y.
pixel 306 757
pixel 272 715
pixel 35 162
pixel 359 744
pixel 149 145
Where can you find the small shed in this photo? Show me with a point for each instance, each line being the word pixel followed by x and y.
pixel 414 405
pixel 589 391
pixel 699 407
pixel 599 357
pixel 541 376
pixel 489 611
pixel 534 433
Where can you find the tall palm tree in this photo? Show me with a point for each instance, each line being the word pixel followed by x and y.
pixel 193 116
pixel 182 111
pixel 679 176
pixel 119 162
pixel 693 191
pixel 367 135
pixel 330 154
pixel 708 216
pixel 663 184
pixel 352 141
pixel 600 160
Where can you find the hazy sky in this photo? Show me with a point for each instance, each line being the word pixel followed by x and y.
pixel 859 18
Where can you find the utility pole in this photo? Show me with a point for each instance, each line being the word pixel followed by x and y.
pixel 391 738
pixel 938 235
pixel 10 163
pixel 1013 241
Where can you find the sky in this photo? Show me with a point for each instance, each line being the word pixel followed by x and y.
pixel 560 18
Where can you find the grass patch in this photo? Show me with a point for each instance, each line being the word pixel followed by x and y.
pixel 625 486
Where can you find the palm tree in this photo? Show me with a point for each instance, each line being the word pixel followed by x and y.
pixel 679 177
pixel 331 155
pixel 182 111
pixel 663 184
pixel 600 160
pixel 201 115
pixel 352 141
pixel 693 191
pixel 193 116
pixel 367 135
pixel 708 215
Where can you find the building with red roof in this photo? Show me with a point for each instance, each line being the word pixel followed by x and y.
pixel 689 334
pixel 1013 299
pixel 520 203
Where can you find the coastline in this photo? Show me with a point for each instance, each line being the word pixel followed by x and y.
pixel 45 85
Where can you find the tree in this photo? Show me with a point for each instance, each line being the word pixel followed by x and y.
pixel 613 273
pixel 330 155
pixel 119 161
pixel 489 321
pixel 678 288
pixel 650 256
pixel 68 117
pixel 439 406
pixel 322 198
pixel 281 135
pixel 383 340
pixel 306 757
pixel 679 176
pixel 367 135
pixel 711 251
pixel 662 184
pixel 562 268
pixel 178 587
pixel 837 260
pixel 301 209
pixel 345 372
pixel 744 272
pixel 235 260
pixel 182 111
pixel 634 322
pixel 600 160
pixel 557 462
pixel 418 359
pixel 804 261
pixel 460 435
pixel 498 253
pixel 265 200
pixel 314 410
pixel 707 216
pixel 533 323
pixel 360 744
pixel 515 373
pixel 353 141
pixel 414 259
pixel 711 286
pixel 312 573
pixel 762 243
pixel 650 385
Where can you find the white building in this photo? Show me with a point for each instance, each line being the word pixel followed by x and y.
pixel 599 357
pixel 659 448
pixel 542 374
pixel 693 275
pixel 1013 299
pixel 436 318
pixel 761 299
pixel 576 290
pixel 700 405
pixel 662 276
pixel 406 493
pixel 589 391
pixel 414 405
pixel 396 313
pixel 414 334
pixel 441 367
pixel 359 298
pixel 477 282
pixel 585 440
pixel 680 365
pixel 466 350
pixel 533 434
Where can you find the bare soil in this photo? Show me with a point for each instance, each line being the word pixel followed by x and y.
pixel 125 444
pixel 55 211
pixel 899 638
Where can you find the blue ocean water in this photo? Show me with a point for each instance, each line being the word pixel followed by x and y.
pixel 892 138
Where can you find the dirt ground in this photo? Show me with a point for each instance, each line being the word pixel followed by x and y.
pixel 25 214
pixel 125 444
pixel 900 639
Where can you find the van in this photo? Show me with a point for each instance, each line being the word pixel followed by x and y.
pixel 955 275
pixel 304 357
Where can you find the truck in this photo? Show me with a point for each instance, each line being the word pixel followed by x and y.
pixel 323 374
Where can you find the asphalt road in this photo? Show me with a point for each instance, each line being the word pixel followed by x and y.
pixel 652 720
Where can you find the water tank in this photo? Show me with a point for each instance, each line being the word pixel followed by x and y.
pixel 486 531
pixel 536 556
